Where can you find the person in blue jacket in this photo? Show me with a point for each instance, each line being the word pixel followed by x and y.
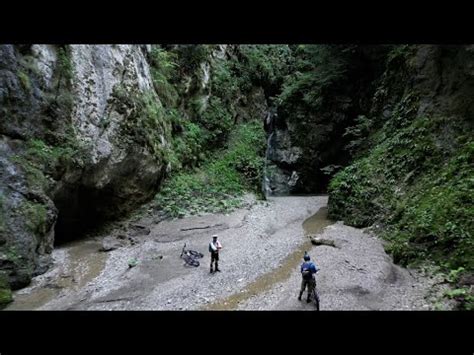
pixel 308 269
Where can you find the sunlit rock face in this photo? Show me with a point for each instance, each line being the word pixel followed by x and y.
pixel 74 145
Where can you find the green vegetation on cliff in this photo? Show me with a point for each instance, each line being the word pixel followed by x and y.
pixel 216 111
pixel 326 88
pixel 419 189
pixel 146 122
pixel 5 292
pixel 218 184
pixel 412 176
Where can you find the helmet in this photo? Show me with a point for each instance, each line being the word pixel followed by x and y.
pixel 306 257
pixel 214 236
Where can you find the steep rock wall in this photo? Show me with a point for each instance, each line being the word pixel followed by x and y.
pixel 82 138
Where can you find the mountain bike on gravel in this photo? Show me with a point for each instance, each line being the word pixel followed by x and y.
pixel 315 295
pixel 190 256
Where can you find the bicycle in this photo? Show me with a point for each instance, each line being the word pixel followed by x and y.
pixel 190 256
pixel 315 295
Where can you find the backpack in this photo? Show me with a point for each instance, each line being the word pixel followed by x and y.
pixel 210 249
pixel 307 274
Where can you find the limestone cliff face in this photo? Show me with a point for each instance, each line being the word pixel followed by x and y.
pixel 85 137
pixel 82 137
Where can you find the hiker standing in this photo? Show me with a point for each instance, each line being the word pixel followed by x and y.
pixel 214 248
pixel 308 269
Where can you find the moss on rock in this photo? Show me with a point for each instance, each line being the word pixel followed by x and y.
pixel 5 291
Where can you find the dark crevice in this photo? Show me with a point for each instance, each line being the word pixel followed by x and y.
pixel 82 211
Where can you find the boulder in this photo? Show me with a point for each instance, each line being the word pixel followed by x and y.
pixel 80 143
pixel 321 241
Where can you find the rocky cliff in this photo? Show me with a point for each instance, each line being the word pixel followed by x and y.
pixel 327 87
pixel 82 138
pixel 411 170
pixel 89 132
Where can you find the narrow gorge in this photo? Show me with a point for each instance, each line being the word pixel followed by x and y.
pixel 114 156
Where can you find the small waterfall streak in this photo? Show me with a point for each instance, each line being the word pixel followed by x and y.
pixel 267 191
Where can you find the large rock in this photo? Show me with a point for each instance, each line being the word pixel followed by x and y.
pixel 27 217
pixel 282 158
pixel 82 139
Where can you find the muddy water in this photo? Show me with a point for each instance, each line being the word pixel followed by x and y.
pixel 317 222
pixel 83 262
pixel 312 226
pixel 86 262
pixel 33 300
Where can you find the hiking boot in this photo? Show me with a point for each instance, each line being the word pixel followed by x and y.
pixel 212 270
pixel 299 297
pixel 308 300
pixel 218 270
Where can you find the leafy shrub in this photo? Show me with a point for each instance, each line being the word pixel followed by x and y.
pixel 218 184
pixel 421 188
pixel 163 71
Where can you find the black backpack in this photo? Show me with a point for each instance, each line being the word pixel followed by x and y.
pixel 307 274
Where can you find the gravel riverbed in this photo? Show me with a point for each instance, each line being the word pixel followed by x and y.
pixel 262 248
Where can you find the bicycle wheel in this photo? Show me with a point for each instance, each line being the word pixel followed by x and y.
pixel 191 262
pixel 194 263
pixel 316 299
pixel 196 254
